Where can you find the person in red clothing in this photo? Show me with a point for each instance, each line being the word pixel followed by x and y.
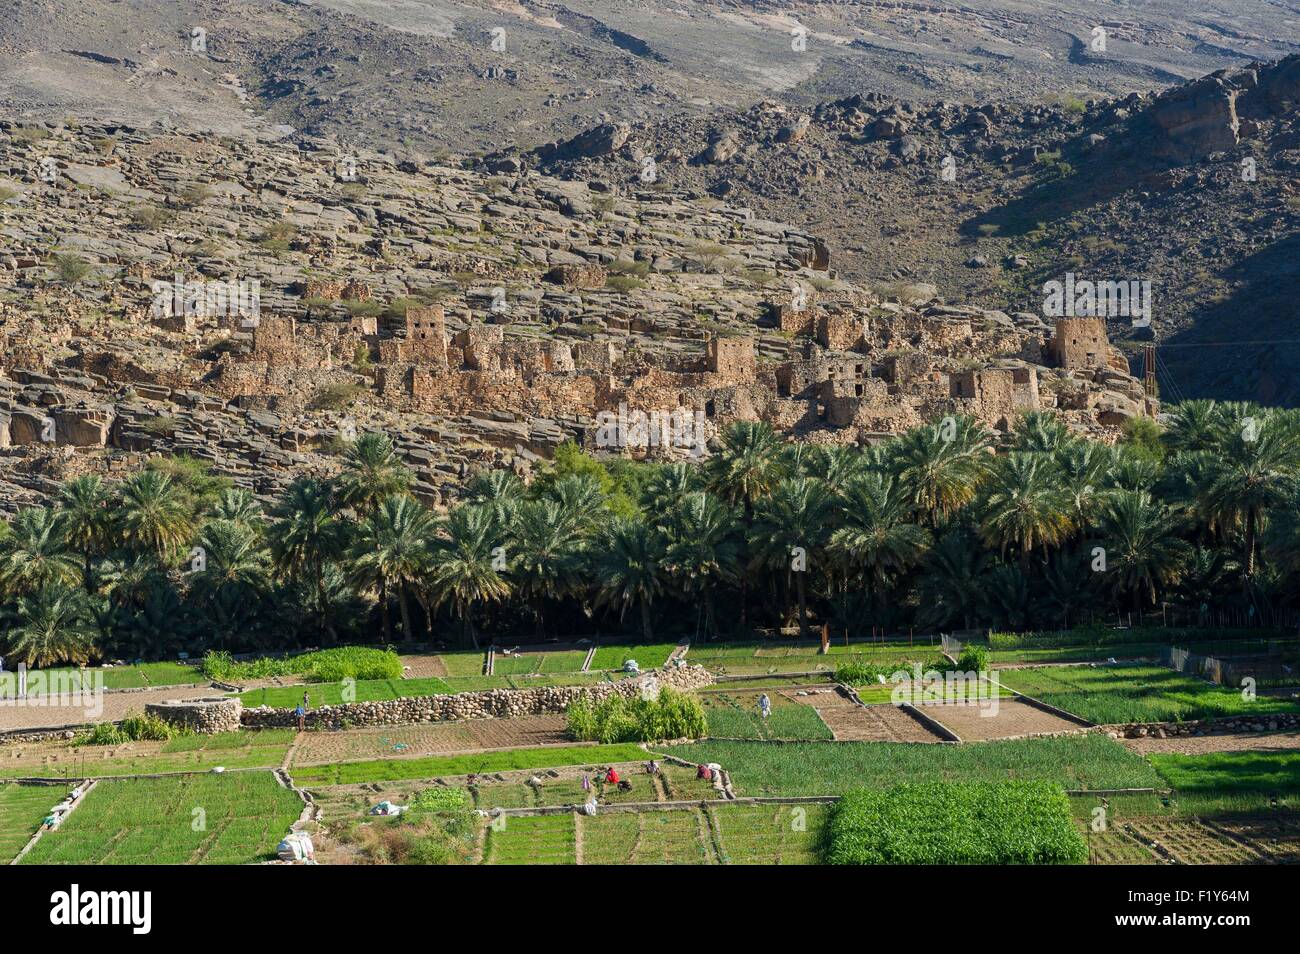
pixel 612 776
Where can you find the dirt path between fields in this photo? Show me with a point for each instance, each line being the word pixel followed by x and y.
pixel 34 714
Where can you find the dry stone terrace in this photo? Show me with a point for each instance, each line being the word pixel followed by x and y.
pixel 480 320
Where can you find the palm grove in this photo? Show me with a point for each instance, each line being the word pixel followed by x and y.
pixel 945 526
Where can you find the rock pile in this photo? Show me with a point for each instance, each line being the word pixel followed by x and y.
pixel 1238 724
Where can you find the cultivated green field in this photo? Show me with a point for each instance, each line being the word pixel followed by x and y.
pixel 810 768
pixel 734 714
pixel 21 809
pixel 1115 694
pixel 138 676
pixel 235 818
pixel 191 753
pixel 334 693
pixel 349 773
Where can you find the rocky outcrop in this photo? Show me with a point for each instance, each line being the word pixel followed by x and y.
pixel 1195 120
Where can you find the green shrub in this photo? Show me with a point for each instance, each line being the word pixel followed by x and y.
pixel 616 718
pixel 441 800
pixel 70 268
pixel 325 665
pixel 134 728
pixel 858 673
pixel 944 823
pixel 973 658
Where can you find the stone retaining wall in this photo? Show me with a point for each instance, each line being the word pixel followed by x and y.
pixel 1237 724
pixel 205 716
pixel 486 704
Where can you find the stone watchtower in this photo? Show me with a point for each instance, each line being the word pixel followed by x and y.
pixel 426 335
pixel 733 357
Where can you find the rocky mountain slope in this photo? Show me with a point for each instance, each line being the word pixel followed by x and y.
pixel 1194 190
pixel 257 306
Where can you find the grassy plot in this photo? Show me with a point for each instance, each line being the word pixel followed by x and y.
pixel 775 657
pixel 22 807
pixel 1113 694
pixel 192 753
pixel 770 834
pixel 1231 781
pixel 531 840
pixel 527 663
pixel 647 838
pixel 650 656
pixel 139 676
pixel 234 818
pixel 810 768
pixel 348 773
pixel 1057 654
pixel 942 823
pixel 735 715
pixel 333 693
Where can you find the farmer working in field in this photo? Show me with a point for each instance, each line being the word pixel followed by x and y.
pixel 301 713
pixel 765 705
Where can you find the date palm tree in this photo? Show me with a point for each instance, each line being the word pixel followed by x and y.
pixel 34 553
pixel 1252 470
pixel 948 586
pixel 1025 505
pixel 239 506
pixel 547 555
pixel 940 465
pixel 391 553
pixel 704 551
pixel 1194 426
pixel 875 537
pixel 789 533
pixel 500 491
pixel 1142 549
pixel 51 625
pixel 372 472
pixel 153 516
pixel 87 521
pixel 306 536
pixel 747 466
pixel 628 564
pixel 234 576
pixel 464 570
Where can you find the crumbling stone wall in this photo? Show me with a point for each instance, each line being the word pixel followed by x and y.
pixel 486 704
pixel 205 716
pixel 1083 343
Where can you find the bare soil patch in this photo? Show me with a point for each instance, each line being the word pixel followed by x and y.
pixel 851 722
pixel 414 741
pixel 975 723
pixel 423 666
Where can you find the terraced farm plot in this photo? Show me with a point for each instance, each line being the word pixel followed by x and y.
pixel 154 821
pixel 429 739
pixel 734 714
pixel 531 840
pixel 850 722
pixel 1189 841
pixel 1231 781
pixel 564 787
pixel 650 656
pixel 22 807
pixel 817 768
pixel 1010 718
pixel 464 663
pixel 678 837
pixel 1275 835
pixel 265 749
pixel 1112 694
pixel 770 834
pixel 529 663
pixel 392 770
pixel 777 657
pixel 336 693
pixel 140 676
